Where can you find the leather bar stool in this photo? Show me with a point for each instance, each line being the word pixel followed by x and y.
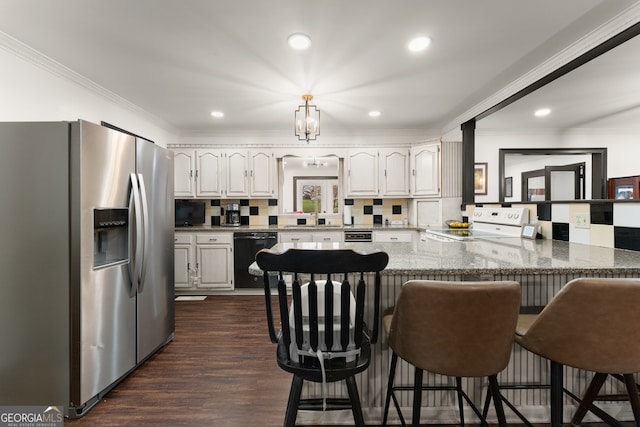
pixel 457 329
pixel 591 324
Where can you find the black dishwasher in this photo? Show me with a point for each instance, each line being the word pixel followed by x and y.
pixel 245 247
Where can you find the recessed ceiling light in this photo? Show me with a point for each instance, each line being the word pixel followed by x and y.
pixel 542 112
pixel 419 44
pixel 374 113
pixel 299 41
pixel 217 114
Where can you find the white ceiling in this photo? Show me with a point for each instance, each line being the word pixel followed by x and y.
pixel 179 60
pixel 603 93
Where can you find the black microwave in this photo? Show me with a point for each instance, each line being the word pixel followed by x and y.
pixel 189 212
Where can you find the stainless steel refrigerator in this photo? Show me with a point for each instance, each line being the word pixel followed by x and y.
pixel 86 260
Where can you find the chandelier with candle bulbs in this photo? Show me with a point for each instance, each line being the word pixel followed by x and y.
pixel 307 120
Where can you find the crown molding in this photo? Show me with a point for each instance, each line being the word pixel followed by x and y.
pixel 32 56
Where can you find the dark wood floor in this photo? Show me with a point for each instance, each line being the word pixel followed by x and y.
pixel 219 371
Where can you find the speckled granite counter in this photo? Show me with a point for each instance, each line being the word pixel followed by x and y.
pixel 542 267
pixel 286 228
pixel 493 256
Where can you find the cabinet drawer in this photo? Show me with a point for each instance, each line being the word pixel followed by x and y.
pixel 337 237
pixel 295 237
pixel 182 239
pixel 396 236
pixel 214 238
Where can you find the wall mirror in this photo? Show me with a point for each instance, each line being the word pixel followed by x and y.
pixel 310 184
pixel 601 94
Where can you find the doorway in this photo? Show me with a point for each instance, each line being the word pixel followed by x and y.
pixel 566 182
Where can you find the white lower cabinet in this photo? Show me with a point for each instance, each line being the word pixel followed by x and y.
pixel 204 262
pixel 395 236
pixel 308 236
pixel 185 262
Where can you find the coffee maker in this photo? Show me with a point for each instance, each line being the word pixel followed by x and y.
pixel 231 215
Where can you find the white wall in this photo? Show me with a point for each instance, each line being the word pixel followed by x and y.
pixel 34 88
pixel 623 149
pixel 514 165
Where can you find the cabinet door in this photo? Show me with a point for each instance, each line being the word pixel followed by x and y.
pixel 183 264
pixel 237 174
pixel 209 173
pixel 362 173
pixel 394 172
pixel 262 174
pixel 183 170
pixel 425 170
pixel 184 260
pixel 215 267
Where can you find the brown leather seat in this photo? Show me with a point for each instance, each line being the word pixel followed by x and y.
pixel 458 329
pixel 591 325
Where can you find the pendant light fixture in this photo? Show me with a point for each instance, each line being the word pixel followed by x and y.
pixel 307 120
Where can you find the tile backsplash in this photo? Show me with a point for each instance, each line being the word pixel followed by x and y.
pixel 610 224
pixel 265 212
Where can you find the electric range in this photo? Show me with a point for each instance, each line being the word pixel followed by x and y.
pixel 486 223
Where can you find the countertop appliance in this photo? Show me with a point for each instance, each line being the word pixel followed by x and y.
pixel 245 247
pixel 87 277
pixel 231 215
pixel 485 223
pixel 189 213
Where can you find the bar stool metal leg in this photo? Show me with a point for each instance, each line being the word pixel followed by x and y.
pixel 417 397
pixel 392 373
pixel 459 393
pixel 632 389
pixel 589 396
pixel 497 400
pixel 556 394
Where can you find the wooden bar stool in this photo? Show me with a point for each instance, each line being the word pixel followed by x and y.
pixel 591 324
pixel 457 329
pixel 323 335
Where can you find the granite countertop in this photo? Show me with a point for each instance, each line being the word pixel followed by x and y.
pixel 490 256
pixel 283 228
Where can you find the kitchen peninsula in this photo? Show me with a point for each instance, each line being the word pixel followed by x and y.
pixel 542 267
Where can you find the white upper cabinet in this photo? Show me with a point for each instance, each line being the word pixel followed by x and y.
pixel 362 173
pixel 263 180
pixel 197 173
pixel 425 170
pixel 394 172
pixel 377 173
pixel 211 173
pixel 237 173
pixel 184 165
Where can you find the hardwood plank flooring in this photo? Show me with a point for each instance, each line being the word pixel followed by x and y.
pixel 219 370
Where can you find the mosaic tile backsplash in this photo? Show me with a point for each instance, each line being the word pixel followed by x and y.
pixel 261 212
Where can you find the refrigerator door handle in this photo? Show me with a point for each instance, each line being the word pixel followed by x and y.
pixel 135 261
pixel 145 234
